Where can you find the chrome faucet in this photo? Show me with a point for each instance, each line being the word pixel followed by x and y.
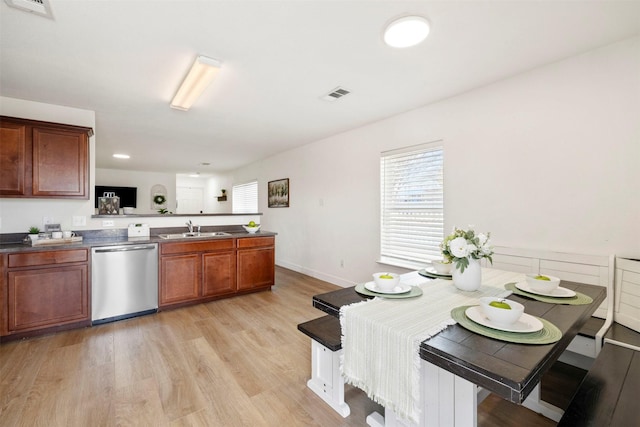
pixel 192 226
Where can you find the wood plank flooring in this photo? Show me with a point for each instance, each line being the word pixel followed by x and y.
pixel 234 362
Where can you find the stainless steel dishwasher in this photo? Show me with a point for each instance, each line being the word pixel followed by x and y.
pixel 124 281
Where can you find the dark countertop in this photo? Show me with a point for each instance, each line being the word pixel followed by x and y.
pixel 93 238
pixel 509 370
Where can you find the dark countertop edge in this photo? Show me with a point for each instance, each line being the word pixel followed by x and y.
pixel 173 215
pixel 125 240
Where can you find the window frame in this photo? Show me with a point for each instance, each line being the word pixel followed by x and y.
pixel 419 222
pixel 237 198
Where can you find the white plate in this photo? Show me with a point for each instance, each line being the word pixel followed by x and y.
pixel 526 323
pixel 401 288
pixel 433 271
pixel 558 292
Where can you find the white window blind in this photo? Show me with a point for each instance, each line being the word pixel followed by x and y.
pixel 245 198
pixel 412 199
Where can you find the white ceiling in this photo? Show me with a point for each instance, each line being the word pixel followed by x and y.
pixel 125 59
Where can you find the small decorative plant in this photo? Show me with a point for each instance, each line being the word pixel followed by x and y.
pixel 34 230
pixel 461 245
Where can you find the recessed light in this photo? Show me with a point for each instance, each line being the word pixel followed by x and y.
pixel 121 156
pixel 406 31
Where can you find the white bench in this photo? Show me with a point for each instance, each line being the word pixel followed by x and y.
pixel 326 348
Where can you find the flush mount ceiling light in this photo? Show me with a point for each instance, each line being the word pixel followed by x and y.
pixel 406 31
pixel 121 156
pixel 201 74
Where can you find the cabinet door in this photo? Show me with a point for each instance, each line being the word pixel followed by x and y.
pixel 46 297
pixel 13 159
pixel 219 271
pixel 256 268
pixel 60 166
pixel 179 278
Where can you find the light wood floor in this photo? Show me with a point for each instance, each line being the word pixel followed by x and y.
pixel 233 362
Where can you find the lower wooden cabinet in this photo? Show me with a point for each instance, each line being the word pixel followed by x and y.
pixel 199 271
pixel 45 290
pixel 180 278
pixel 195 271
pixel 256 263
pixel 218 276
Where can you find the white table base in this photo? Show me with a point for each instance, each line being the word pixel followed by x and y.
pixel 446 400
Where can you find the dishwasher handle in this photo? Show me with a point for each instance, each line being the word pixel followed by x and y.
pixel 126 248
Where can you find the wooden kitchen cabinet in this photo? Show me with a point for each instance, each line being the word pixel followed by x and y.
pixel 219 276
pixel 44 160
pixel 196 271
pixel 179 278
pixel 45 291
pixel 256 263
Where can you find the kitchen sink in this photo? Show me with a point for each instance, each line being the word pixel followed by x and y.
pixel 193 235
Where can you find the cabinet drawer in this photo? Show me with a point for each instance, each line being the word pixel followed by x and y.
pixel 201 246
pixel 30 259
pixel 254 242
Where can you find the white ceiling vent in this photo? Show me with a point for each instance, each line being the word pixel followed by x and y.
pixel 39 7
pixel 337 93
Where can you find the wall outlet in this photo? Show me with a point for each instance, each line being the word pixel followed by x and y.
pixel 79 221
pixel 108 223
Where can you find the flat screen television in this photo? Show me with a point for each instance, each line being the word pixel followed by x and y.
pixel 128 195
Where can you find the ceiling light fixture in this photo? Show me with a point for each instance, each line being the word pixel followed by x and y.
pixel 201 74
pixel 121 156
pixel 406 31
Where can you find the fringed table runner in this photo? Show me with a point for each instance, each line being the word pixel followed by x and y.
pixel 381 337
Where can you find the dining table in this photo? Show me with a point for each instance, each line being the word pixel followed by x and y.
pixel 457 364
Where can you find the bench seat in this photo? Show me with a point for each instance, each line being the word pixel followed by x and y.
pixel 609 393
pixel 326 348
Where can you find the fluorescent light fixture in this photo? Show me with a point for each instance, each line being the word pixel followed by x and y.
pixel 121 156
pixel 406 31
pixel 200 75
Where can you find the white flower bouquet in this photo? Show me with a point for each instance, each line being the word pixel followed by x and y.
pixel 461 245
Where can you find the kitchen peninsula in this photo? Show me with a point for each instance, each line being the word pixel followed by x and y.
pixel 48 289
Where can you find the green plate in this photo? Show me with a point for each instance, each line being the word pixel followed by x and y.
pixel 414 292
pixel 579 299
pixel 547 335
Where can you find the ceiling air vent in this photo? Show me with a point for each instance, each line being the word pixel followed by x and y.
pixel 39 7
pixel 337 93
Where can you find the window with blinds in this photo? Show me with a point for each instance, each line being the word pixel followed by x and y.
pixel 245 198
pixel 412 204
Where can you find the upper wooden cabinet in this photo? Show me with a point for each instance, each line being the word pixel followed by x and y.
pixel 41 159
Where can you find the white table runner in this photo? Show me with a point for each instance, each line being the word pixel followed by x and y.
pixel 381 337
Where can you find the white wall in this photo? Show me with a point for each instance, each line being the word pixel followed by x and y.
pixel 549 159
pixel 211 186
pixel 17 215
pixel 144 181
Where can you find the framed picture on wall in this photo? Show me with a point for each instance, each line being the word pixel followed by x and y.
pixel 278 193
